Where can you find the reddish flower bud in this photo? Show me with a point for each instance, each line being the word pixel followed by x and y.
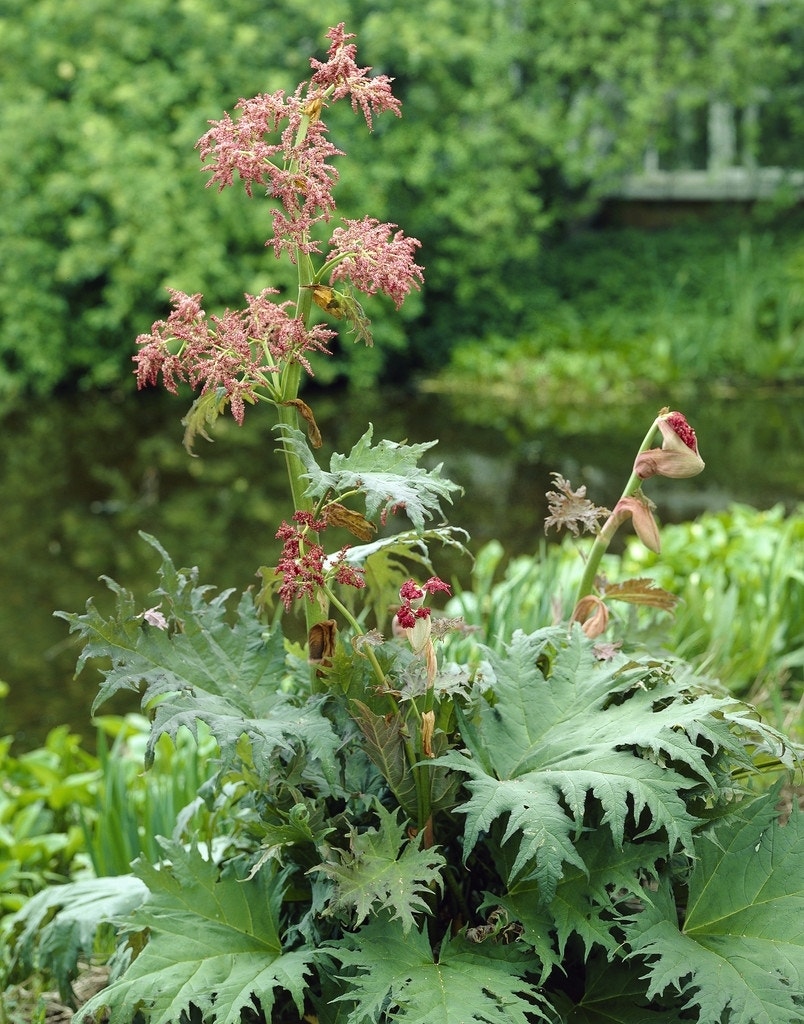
pixel 678 457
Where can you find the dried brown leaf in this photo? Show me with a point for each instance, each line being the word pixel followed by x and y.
pixel 354 522
pixel 306 413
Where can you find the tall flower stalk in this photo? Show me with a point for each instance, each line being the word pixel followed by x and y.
pixel 278 143
pixel 677 457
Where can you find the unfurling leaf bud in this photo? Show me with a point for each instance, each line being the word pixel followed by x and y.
pixel 640 509
pixel 593 615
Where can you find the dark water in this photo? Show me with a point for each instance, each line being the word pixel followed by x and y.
pixel 81 475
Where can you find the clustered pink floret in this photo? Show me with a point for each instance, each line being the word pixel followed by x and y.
pixel 412 595
pixel 279 142
pixel 373 261
pixel 341 72
pixel 685 432
pixel 229 352
pixel 304 566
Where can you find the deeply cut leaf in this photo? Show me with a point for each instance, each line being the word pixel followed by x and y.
pixel 549 742
pixel 399 978
pixel 59 925
pixel 739 956
pixel 213 943
pixel 387 475
pixel 202 668
pixel 382 870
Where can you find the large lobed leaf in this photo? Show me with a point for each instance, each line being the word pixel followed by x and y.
pixel 387 475
pixel 58 926
pixel 194 665
pixel 561 729
pixel 399 979
pixel 739 955
pixel 590 902
pixel 213 943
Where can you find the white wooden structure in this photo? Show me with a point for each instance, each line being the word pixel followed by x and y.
pixel 731 174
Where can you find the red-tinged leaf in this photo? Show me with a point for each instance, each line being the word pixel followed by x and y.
pixel 642 591
pixel 572 509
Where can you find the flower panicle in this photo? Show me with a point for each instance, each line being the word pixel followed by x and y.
pixel 375 257
pixel 340 72
pixel 303 564
pixel 231 354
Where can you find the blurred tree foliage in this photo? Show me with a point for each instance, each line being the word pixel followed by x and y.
pixel 518 117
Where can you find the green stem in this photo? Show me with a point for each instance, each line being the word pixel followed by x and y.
pixel 420 773
pixel 609 528
pixel 369 653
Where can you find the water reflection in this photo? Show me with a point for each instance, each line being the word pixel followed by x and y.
pixel 81 475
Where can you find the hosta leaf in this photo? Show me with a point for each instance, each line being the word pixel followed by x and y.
pixel 383 870
pixel 739 955
pixel 387 475
pixel 213 943
pixel 399 978
pixel 548 741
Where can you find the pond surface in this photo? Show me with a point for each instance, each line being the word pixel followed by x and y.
pixel 81 475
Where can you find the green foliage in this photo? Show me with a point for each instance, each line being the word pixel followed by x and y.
pixel 594 788
pixel 101 106
pixel 739 574
pixel 380 870
pixel 131 809
pixel 41 838
pixel 740 950
pixel 62 807
pixel 62 926
pixel 739 617
pixel 518 119
pixel 387 475
pixel 460 983
pixel 642 745
pixel 389 837
pixel 613 308
pixel 215 943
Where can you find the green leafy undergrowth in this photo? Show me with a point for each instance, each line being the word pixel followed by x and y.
pixel 738 575
pixel 41 794
pixel 588 807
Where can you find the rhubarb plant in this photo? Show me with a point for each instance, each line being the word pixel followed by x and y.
pixel 558 828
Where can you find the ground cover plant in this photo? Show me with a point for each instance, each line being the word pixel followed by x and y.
pixel 559 828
